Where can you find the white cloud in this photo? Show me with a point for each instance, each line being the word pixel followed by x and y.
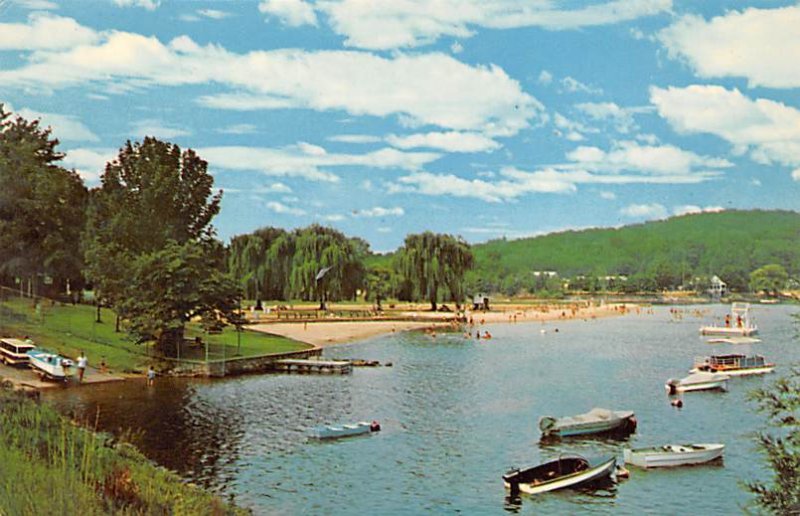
pixel 545 77
pixel 238 129
pixel 412 23
pixel 691 209
pixel 609 196
pixel 38 5
pixel 45 32
pixel 307 161
pixel 283 209
pixel 456 47
pixel 768 130
pixel 648 211
pixel 213 14
pixel 621 118
pixel 66 128
pixel 759 44
pixel 419 89
pixel 570 129
pixel 150 5
pixel 293 13
pixel 355 138
pixel 270 189
pixel 796 174
pixel 452 141
pixel 334 217
pixel 89 163
pixel 379 211
pixel 384 229
pixel 573 85
pixel 151 127
pixel 666 160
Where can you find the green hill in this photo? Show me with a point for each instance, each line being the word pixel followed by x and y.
pixel 730 244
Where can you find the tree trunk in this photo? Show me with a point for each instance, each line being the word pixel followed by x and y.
pixel 97 315
pixel 116 324
pixel 167 344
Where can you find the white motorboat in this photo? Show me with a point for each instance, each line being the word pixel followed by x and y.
pixel 738 322
pixel 49 364
pixel 346 430
pixel 702 381
pixel 672 455
pixel 733 364
pixel 564 472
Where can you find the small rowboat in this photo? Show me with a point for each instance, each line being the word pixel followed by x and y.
pixel 564 472
pixel 701 381
pixel 672 455
pixel 49 364
pixel 596 421
pixel 346 430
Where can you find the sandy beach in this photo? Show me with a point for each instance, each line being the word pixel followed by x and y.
pixel 326 333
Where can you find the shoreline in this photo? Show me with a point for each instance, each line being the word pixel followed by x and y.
pixel 322 334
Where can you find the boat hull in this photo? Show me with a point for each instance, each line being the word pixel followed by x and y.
pixel 619 422
pixel 673 455
pixel 50 365
pixel 740 372
pixel 338 431
pixel 719 385
pixel 726 331
pixel 601 471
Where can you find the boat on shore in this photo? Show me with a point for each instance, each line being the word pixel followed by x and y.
pixel 344 430
pixel 564 472
pixel 702 381
pixel 733 364
pixel 49 364
pixel 672 455
pixel 737 322
pixel 596 421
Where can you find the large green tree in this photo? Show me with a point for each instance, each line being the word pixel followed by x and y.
pixel 150 222
pixel 770 278
pixel 435 264
pixel 41 206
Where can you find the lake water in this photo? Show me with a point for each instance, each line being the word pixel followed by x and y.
pixel 456 414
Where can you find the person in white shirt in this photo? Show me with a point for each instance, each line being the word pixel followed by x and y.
pixel 82 362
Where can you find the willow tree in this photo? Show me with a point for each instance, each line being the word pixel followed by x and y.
pixel 261 261
pixel 436 263
pixel 316 249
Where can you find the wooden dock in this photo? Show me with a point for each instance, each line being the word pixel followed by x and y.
pixel 314 366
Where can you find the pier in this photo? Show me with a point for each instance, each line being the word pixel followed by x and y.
pixel 314 366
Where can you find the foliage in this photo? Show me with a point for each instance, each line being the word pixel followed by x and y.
pixel 781 403
pixel 41 205
pixel 434 262
pixel 51 466
pixel 770 278
pixel 173 286
pixel 148 232
pixel 654 255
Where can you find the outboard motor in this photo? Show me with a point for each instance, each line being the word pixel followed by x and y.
pixel 672 386
pixel 374 427
pixel 512 477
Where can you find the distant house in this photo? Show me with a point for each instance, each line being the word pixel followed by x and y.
pixel 480 301
pixel 718 287
pixel 545 274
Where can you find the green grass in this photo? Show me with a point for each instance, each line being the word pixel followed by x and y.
pixel 52 466
pixel 71 329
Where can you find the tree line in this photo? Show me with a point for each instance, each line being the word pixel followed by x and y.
pixel 144 242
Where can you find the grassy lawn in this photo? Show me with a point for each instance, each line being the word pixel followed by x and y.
pixel 69 329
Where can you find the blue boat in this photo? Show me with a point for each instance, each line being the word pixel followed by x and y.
pixel 49 364
pixel 345 430
pixel 596 421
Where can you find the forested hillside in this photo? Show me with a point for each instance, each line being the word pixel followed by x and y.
pixel 730 244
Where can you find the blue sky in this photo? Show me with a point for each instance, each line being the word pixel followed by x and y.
pixel 472 117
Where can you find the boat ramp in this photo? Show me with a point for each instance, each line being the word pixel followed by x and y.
pixel 296 365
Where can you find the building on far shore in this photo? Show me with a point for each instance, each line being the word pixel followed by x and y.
pixel 718 287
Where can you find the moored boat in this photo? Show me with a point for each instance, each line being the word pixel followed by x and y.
pixel 564 472
pixel 345 430
pixel 596 421
pixel 733 364
pixel 672 455
pixel 702 381
pixel 738 322
pixel 49 364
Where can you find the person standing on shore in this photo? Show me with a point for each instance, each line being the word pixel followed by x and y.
pixel 82 362
pixel 151 377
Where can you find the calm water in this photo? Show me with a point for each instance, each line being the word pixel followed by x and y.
pixel 456 414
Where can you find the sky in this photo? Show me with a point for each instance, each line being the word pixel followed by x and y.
pixel 480 118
